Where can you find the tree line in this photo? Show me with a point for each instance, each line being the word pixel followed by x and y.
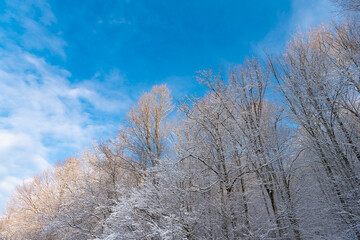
pixel 272 151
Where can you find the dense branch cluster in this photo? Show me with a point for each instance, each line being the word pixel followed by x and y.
pixel 238 163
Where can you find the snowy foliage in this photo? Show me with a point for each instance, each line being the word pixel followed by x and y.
pixel 235 164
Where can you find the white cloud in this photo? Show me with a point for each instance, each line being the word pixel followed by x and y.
pixel 304 14
pixel 34 16
pixel 8 183
pixel 117 21
pixel 181 85
pixel 115 95
pixel 43 116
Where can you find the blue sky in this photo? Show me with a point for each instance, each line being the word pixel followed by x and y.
pixel 69 70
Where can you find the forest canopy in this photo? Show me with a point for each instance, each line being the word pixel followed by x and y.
pixel 233 164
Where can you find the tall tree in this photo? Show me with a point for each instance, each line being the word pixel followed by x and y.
pixel 318 78
pixel 146 131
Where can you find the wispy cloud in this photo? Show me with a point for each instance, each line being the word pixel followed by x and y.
pixel 40 116
pixel 28 23
pixel 44 117
pixel 303 15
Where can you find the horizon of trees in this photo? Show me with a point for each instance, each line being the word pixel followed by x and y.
pixel 233 164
